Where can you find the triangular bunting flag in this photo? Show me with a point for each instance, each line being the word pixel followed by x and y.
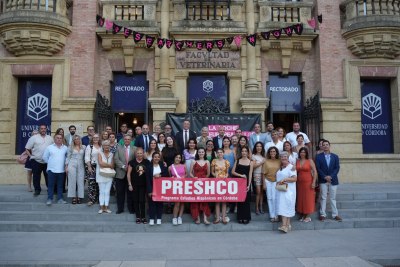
pixel 312 23
pixel 229 40
pixel 116 28
pixel 98 17
pixel 238 40
pixel 189 44
pixel 109 24
pixel 137 36
pixel 168 43
pixel 160 43
pixel 252 39
pixel 199 45
pixel 220 44
pixel 320 18
pixel 179 45
pixel 298 29
pixel 289 31
pixel 276 33
pixel 265 35
pixel 149 41
pixel 209 45
pixel 127 32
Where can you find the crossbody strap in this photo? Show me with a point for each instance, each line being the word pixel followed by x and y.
pixel 176 173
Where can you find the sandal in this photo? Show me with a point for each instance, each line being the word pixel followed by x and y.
pixel 306 220
pixel 74 200
pixel 137 221
pixel 273 220
pixel 79 201
pixel 144 221
pixel 261 211
pixel 302 219
pixel 90 203
pixel 276 219
pixel 257 211
pixel 198 220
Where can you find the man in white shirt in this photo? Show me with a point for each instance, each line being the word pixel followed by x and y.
pixel 292 136
pixel 275 142
pixel 157 130
pixel 257 137
pixel 36 145
pixel 55 156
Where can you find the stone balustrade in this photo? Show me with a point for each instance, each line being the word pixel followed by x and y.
pixel 359 8
pixel 56 6
pixel 275 14
pixel 133 10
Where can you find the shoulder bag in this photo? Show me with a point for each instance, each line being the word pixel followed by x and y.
pixel 22 159
pixel 107 172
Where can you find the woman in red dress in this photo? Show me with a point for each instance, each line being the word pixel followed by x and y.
pixel 305 185
pixel 200 168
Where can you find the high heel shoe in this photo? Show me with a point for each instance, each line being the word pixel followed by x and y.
pixel 289 227
pixel 306 220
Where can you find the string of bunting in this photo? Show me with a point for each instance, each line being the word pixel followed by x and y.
pixel 208 45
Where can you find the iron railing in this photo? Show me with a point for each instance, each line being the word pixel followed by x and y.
pixel 312 122
pixel 43 5
pixel 102 112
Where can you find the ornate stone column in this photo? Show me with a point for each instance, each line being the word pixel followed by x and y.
pixel 163 100
pixel 253 99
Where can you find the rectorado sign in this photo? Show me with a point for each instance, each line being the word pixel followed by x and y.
pixel 199 189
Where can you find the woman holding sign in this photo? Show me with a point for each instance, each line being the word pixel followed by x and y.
pixel 178 170
pixel 220 169
pixel 200 168
pixel 155 170
pixel 243 168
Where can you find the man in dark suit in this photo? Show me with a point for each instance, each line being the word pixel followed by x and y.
pixel 143 140
pixel 121 162
pixel 183 137
pixel 168 131
pixel 328 167
pixel 218 140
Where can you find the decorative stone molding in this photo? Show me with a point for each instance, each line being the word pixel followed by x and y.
pixel 181 74
pixel 24 39
pixel 374 42
pixel 287 49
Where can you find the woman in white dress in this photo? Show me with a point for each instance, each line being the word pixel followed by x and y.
pixel 287 146
pixel 286 201
pixel 105 160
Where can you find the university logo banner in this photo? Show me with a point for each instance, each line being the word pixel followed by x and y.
pixel 199 189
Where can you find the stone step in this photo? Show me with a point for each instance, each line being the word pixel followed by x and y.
pixel 126 227
pixel 355 204
pixel 41 207
pixel 28 196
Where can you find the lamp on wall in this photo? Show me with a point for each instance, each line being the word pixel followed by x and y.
pixel 134 121
pixel 121 114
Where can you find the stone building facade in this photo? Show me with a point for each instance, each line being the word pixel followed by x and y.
pixel 60 42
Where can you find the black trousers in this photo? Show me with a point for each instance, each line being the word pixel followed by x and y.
pixel 122 188
pixel 37 170
pixel 139 200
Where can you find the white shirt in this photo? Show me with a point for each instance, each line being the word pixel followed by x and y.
pixel 55 158
pixel 129 150
pixel 156 170
pixel 279 146
pixel 37 144
pixel 258 137
pixel 292 137
pixel 155 136
pixel 161 146
pixel 293 158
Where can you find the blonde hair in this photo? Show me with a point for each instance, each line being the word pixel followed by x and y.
pixel 34 132
pixel 91 139
pixel 72 146
pixel 101 137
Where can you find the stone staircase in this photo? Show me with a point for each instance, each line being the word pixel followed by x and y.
pixel 360 206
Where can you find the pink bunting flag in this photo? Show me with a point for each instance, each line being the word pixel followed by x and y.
pixel 109 24
pixel 311 23
pixel 238 40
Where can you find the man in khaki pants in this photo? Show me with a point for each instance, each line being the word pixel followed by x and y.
pixel 123 155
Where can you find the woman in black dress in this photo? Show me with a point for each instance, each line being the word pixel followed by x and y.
pixel 168 155
pixel 243 168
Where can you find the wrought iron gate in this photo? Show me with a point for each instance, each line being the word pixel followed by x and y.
pixel 102 112
pixel 312 122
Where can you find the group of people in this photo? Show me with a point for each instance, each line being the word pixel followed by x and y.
pixel 275 162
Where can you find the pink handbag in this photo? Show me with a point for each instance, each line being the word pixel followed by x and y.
pixel 22 159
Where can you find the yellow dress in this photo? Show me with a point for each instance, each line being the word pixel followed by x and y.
pixel 221 172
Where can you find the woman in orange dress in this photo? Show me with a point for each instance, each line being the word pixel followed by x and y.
pixel 305 185
pixel 220 169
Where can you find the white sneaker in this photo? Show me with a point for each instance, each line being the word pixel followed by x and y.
pixel 228 209
pixel 151 222
pixel 235 209
pixel 179 220
pixel 174 221
pixel 158 221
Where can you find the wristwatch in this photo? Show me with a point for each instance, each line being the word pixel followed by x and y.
pixel 129 184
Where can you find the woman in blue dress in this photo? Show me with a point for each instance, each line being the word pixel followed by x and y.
pixel 228 153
